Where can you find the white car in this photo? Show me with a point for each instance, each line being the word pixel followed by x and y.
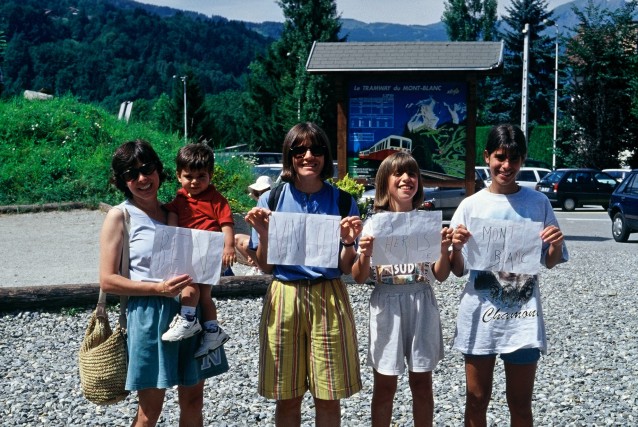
pixel 618 174
pixel 527 176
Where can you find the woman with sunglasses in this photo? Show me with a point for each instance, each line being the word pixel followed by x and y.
pixel 154 365
pixel 307 332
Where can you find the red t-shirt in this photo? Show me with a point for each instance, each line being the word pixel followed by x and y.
pixel 208 210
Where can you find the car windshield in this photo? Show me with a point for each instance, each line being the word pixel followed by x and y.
pixel 603 178
pixel 553 177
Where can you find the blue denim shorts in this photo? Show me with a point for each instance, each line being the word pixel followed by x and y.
pixel 523 356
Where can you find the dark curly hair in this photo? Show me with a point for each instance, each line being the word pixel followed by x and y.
pixel 129 155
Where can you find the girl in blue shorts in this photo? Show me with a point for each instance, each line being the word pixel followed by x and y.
pixel 500 312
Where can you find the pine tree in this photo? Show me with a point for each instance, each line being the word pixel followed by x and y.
pixel 470 20
pixel 603 87
pixel 281 92
pixel 504 102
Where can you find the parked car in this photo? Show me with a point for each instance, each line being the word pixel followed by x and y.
pixel 273 170
pixel 618 174
pixel 572 188
pixel 256 157
pixel 483 171
pixel 530 176
pixel 527 177
pixel 445 199
pixel 623 207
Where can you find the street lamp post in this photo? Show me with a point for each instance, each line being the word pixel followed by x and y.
pixel 550 22
pixel 555 99
pixel 525 73
pixel 299 84
pixel 183 79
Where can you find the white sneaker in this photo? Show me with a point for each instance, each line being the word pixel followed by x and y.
pixel 211 341
pixel 181 329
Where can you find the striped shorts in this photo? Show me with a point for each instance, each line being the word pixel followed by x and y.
pixel 308 342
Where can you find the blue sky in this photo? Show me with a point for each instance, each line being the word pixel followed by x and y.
pixel 394 11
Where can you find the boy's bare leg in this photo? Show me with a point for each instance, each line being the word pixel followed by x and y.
pixel 190 295
pixel 209 310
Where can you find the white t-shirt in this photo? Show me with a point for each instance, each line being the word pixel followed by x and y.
pixel 501 312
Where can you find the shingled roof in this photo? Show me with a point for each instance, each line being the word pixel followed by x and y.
pixel 348 57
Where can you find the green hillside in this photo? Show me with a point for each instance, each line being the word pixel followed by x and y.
pixel 60 151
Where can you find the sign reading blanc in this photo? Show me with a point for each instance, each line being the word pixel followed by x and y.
pixel 197 253
pixel 406 237
pixel 304 239
pixel 504 245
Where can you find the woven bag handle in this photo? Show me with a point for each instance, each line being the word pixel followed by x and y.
pixel 124 271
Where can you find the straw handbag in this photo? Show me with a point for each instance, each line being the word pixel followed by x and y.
pixel 103 355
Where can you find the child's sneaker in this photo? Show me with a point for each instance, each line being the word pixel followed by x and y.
pixel 181 329
pixel 211 341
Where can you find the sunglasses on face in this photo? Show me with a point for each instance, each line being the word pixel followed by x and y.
pixel 146 169
pixel 300 151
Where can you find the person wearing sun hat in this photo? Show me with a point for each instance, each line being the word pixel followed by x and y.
pixel 262 184
pixel 244 254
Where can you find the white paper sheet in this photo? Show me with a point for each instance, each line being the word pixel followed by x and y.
pixel 504 245
pixel 178 250
pixel 304 239
pixel 406 237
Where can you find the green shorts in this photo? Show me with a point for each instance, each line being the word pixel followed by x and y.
pixel 308 341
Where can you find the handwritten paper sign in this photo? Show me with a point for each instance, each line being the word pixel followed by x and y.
pixel 197 253
pixel 304 239
pixel 406 237
pixel 504 245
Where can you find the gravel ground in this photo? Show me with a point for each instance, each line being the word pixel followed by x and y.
pixel 589 377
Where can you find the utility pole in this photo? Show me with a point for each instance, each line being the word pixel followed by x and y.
pixel 525 72
pixel 555 99
pixel 183 79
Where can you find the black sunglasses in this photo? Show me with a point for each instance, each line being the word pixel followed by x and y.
pixel 146 169
pixel 300 151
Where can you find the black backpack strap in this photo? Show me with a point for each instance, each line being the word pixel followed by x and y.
pixel 275 194
pixel 345 203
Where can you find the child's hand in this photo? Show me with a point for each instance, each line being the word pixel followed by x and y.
pixel 228 257
pixel 351 227
pixel 446 239
pixel 460 236
pixel 552 235
pixel 366 244
pixel 258 219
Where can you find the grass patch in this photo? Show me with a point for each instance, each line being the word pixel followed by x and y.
pixel 60 150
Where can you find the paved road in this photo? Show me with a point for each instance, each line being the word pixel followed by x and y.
pixel 55 248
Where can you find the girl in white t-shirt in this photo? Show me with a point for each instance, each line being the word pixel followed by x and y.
pixel 405 325
pixel 500 312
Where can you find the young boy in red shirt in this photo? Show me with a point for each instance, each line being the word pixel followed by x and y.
pixel 199 205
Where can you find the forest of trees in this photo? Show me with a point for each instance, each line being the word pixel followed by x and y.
pixel 104 54
pixel 598 83
pixel 244 88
